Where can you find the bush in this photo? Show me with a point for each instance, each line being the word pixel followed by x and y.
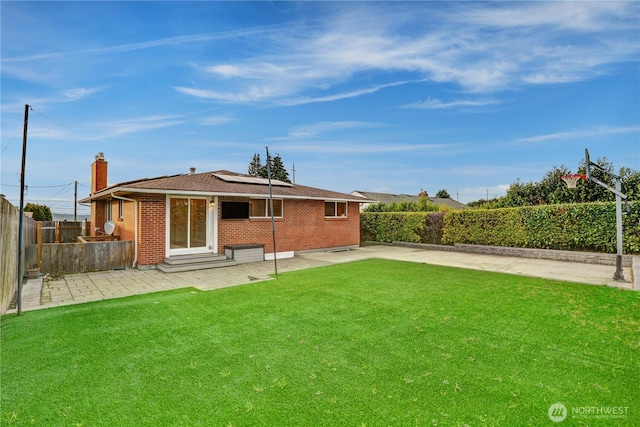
pixel 40 212
pixel 416 227
pixel 581 227
pixel 584 226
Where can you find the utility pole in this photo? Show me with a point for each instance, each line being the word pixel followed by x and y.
pixel 293 171
pixel 20 221
pixel 75 203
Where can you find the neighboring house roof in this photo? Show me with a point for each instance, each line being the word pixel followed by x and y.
pixel 388 199
pixel 220 183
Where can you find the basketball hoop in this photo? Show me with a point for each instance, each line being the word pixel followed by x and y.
pixel 572 180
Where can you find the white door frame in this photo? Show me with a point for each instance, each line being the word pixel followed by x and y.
pixel 210 222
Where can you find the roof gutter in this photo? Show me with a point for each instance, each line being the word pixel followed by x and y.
pixel 112 191
pixel 135 227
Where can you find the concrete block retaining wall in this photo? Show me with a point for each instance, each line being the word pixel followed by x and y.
pixel 550 254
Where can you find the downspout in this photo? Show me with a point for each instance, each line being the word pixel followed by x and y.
pixel 135 227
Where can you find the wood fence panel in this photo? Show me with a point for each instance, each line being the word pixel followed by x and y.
pixel 9 226
pixel 48 231
pixel 108 255
pixel 61 258
pixel 29 226
pixel 66 258
pixel 69 231
pixel 30 257
pixel 9 217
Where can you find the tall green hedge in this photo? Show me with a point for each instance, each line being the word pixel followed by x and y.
pixel 583 227
pixel 416 227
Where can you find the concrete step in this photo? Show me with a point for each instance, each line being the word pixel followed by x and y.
pixel 175 268
pixel 194 259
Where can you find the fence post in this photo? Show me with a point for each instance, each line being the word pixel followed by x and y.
pixel 39 243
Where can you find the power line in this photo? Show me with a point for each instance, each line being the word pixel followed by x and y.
pixel 54 121
pixel 12 140
pixel 39 186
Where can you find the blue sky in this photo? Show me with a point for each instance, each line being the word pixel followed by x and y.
pixel 388 97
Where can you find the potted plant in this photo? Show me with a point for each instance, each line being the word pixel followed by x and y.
pixel 33 272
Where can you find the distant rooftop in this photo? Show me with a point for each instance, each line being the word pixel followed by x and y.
pixel 388 199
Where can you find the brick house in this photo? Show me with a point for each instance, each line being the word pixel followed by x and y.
pixel 205 213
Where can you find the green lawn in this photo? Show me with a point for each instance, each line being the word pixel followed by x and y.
pixel 372 343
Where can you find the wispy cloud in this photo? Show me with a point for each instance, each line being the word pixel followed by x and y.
pixel 149 44
pixel 118 128
pixel 586 133
pixel 76 94
pixel 100 130
pixel 436 104
pixel 42 103
pixel 339 96
pixel 322 128
pixel 480 47
pixel 215 120
pixel 340 147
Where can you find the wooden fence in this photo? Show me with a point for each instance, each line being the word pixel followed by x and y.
pixel 9 225
pixel 66 258
pixel 61 231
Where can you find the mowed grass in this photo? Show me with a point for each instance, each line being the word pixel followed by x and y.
pixel 369 343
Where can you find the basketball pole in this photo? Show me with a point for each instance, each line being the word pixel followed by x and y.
pixel 619 274
pixel 273 223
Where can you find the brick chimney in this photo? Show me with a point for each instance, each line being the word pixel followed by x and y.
pixel 98 174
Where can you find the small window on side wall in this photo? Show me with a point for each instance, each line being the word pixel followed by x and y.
pixel 108 210
pixel 335 209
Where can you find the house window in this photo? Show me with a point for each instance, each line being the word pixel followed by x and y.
pixel 120 209
pixel 335 209
pixel 235 210
pixel 261 208
pixel 108 210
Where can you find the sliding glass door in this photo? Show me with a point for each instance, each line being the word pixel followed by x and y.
pixel 187 224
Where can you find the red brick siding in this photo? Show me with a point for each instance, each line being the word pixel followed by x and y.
pixel 151 229
pixel 98 217
pixel 125 226
pixel 302 227
pixel 98 175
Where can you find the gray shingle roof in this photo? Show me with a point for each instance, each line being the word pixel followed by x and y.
pixel 207 183
pixel 388 199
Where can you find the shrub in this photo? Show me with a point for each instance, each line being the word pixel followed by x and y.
pixel 577 226
pixel 416 227
pixel 584 226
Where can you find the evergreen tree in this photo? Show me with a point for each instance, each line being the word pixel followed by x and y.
pixel 278 171
pixel 255 166
pixel 443 194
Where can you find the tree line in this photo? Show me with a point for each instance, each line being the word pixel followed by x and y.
pixel 551 189
pixel 278 171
